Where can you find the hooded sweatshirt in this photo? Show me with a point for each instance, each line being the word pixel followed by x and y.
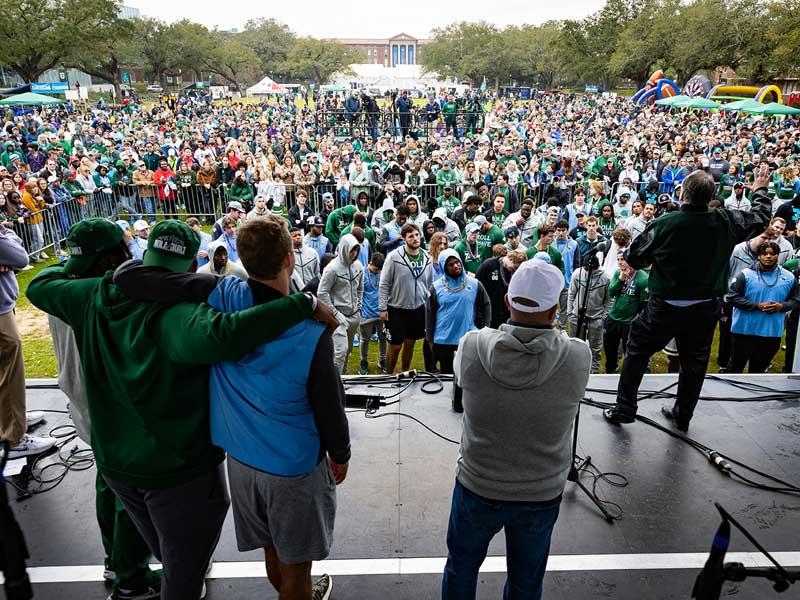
pixel 342 284
pixel 306 264
pixel 231 267
pixel 599 301
pixel 337 221
pixel 455 306
pixel 522 386
pixel 446 225
pixel 405 280
pixel 152 431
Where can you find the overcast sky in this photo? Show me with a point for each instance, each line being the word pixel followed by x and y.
pixel 357 18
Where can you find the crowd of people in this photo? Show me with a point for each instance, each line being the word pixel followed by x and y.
pixel 591 208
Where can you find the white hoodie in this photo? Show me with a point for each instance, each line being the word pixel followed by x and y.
pixel 342 284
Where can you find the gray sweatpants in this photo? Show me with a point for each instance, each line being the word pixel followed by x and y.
pixel 594 335
pixel 343 341
pixel 181 525
pixel 365 330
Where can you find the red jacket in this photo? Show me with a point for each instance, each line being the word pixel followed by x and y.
pixel 160 177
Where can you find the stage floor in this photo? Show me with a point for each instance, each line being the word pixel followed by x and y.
pixel 393 508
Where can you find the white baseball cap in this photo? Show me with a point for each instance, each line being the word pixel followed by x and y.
pixel 535 287
pixel 141 225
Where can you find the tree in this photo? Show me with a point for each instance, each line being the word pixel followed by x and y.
pixel 231 60
pixel 646 43
pixel 37 34
pixel 105 51
pixel 193 45
pixel 469 51
pixel 783 35
pixel 158 48
pixel 272 42
pixel 532 54
pixel 317 60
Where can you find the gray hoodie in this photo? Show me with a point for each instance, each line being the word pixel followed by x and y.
pixel 13 256
pixel 342 284
pixel 231 267
pixel 405 284
pixel 599 301
pixel 522 386
pixel 450 229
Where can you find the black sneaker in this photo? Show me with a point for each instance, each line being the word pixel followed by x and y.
pixel 671 415
pixel 617 417
pixel 148 590
pixel 363 368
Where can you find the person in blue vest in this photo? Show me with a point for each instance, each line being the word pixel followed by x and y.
pixel 456 304
pixel 279 413
pixel 566 246
pixel 760 296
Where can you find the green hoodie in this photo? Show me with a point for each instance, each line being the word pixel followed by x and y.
pixel 147 384
pixel 337 221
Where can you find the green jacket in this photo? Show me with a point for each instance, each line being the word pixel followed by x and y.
pixel 689 249
pixel 146 370
pixel 241 192
pixel 337 221
pixel 627 302
pixel 446 177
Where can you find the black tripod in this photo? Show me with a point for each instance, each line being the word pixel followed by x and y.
pixel 591 264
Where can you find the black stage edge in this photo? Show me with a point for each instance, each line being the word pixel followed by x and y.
pixel 396 500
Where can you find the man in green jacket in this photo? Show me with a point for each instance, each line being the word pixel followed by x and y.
pixel 688 252
pixel 337 221
pixel 146 368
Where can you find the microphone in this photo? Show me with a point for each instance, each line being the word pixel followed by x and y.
pixel 708 584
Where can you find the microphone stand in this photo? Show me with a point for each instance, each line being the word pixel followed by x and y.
pixel 591 264
pixel 781 578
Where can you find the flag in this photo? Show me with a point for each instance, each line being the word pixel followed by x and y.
pixel 483 85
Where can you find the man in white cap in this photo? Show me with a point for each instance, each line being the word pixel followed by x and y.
pixel 141 229
pixel 509 476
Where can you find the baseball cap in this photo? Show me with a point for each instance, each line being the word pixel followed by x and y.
pixel 535 287
pixel 87 239
pixel 141 225
pixel 327 196
pixel 472 227
pixel 316 221
pixel 124 225
pixel 172 245
pixel 480 220
pixel 235 205
pixel 512 231
pixel 543 256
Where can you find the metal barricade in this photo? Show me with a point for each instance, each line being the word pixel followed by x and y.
pixel 417 123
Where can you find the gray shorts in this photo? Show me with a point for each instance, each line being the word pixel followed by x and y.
pixel 294 514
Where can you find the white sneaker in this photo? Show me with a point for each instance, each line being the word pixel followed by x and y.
pixel 43 255
pixel 33 417
pixel 322 588
pixel 30 446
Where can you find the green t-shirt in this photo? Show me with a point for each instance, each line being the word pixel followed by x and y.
pixel 627 299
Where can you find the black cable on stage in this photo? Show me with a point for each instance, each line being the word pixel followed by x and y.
pixel 372 414
pixel 78 459
pixel 722 462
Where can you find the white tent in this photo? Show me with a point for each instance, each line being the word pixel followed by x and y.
pixel 266 86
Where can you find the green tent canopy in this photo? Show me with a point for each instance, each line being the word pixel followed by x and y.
pixel 772 109
pixel 745 104
pixel 29 99
pixel 674 100
pixel 699 102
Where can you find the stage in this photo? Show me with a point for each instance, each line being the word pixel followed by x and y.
pixel 393 508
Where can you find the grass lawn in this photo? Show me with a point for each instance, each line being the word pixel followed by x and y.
pixel 40 358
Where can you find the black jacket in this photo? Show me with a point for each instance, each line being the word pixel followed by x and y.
pixel 493 277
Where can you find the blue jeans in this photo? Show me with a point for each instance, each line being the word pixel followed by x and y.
pixel 474 521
